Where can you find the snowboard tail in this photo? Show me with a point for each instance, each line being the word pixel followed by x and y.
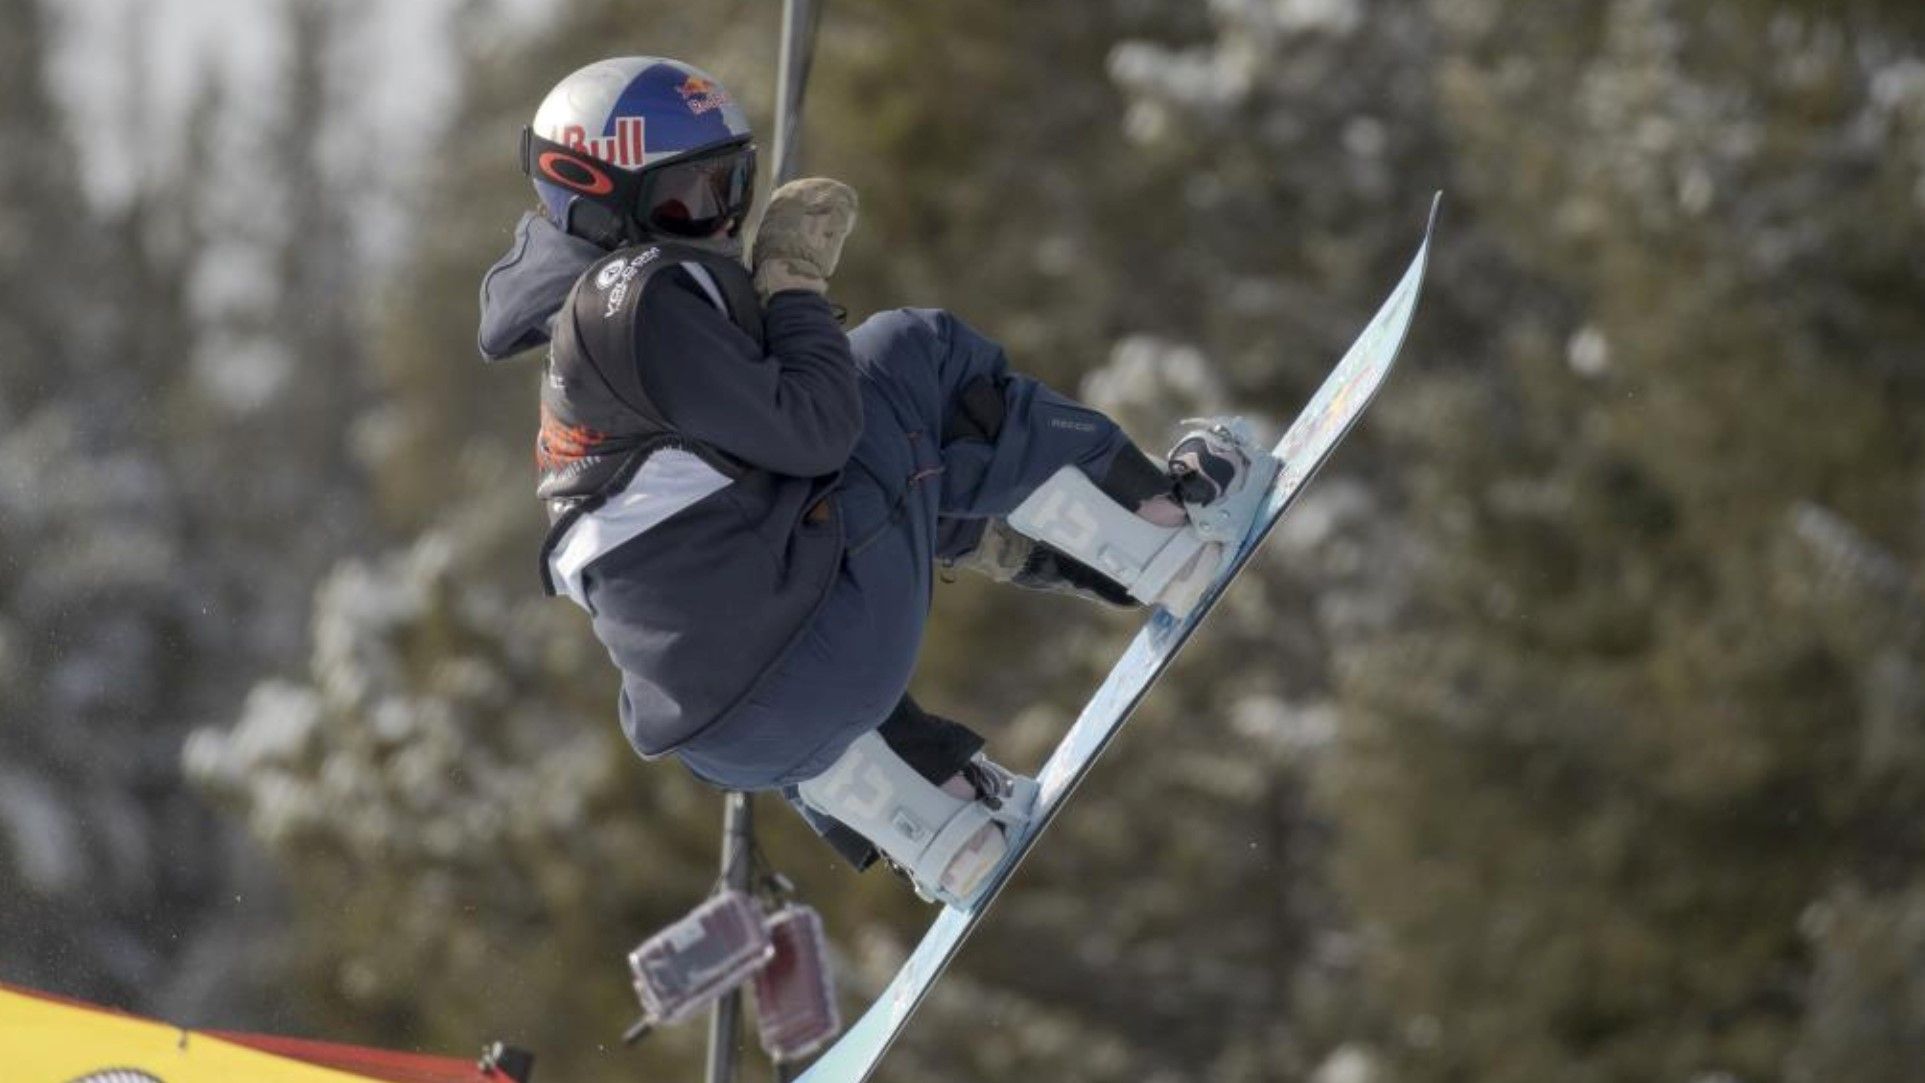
pixel 1330 414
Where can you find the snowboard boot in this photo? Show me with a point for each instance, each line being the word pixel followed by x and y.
pixel 948 838
pixel 1010 799
pixel 1164 549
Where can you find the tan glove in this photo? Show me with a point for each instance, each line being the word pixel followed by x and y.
pixel 801 237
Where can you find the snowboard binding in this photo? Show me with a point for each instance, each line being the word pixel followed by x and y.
pixel 1221 475
pixel 1009 799
pixel 947 838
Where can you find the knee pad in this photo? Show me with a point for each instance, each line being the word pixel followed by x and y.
pixel 948 844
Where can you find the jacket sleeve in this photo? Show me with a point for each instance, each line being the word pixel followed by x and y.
pixel 795 410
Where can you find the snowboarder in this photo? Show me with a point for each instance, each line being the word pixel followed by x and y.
pixel 751 503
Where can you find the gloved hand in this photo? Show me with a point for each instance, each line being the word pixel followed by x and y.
pixel 801 237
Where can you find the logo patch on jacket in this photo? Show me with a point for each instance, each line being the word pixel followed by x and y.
pixel 614 279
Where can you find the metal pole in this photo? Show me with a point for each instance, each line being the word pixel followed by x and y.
pixel 738 840
pixel 799 20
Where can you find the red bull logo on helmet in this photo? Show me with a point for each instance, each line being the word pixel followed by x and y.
pixel 624 148
pixel 702 95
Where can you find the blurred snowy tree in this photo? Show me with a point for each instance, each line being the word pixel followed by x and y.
pixel 464 846
pixel 1603 632
pixel 167 496
pixel 96 621
pixel 1646 709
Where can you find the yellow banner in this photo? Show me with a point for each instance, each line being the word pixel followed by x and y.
pixel 48 1041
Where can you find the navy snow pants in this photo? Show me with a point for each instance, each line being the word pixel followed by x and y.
pixel 908 498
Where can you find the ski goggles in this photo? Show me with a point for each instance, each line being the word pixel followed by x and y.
pixel 696 196
pixel 693 196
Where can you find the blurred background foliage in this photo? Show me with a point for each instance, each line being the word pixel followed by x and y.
pixel 1573 728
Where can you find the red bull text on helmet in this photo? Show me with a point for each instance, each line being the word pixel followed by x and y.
pixel 624 148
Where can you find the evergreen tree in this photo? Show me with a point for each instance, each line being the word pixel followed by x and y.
pixel 100 891
pixel 1601 639
pixel 1629 745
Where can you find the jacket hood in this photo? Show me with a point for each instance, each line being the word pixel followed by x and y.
pixel 522 292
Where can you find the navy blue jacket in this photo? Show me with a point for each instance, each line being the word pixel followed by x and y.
pixel 716 546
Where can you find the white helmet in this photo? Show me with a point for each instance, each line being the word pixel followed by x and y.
pixel 638 147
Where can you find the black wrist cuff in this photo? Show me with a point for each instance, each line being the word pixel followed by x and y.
pixel 1133 479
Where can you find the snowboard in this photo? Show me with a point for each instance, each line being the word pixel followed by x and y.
pixel 1304 447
